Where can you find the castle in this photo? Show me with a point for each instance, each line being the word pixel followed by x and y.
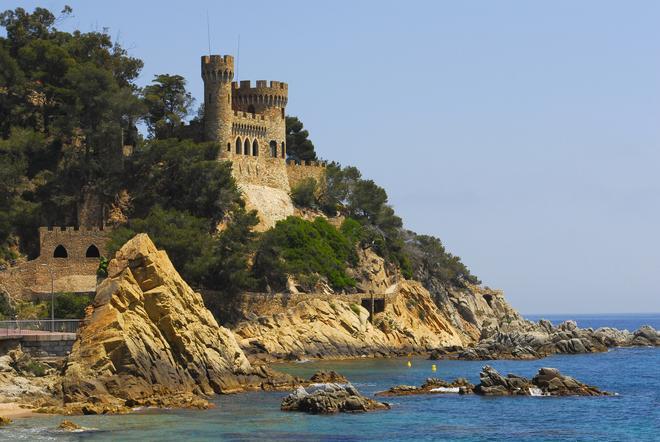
pixel 249 124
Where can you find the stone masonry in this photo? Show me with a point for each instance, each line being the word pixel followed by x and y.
pixel 248 121
pixel 68 259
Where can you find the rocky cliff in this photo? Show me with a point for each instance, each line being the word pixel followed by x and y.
pixel 149 339
pixel 335 327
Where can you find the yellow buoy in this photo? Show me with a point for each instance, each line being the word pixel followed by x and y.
pixel 433 367
pixel 409 364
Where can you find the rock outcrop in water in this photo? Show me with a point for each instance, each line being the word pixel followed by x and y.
pixel 431 386
pixel 330 398
pixel 548 382
pixel 150 340
pixel 335 328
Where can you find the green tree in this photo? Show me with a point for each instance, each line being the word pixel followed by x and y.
pixel 182 175
pixel 185 238
pixel 226 265
pixel 304 194
pixel 298 146
pixel 168 103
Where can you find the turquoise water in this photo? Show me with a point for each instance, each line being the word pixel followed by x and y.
pixel 632 415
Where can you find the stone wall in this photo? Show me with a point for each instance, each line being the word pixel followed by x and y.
pixel 74 272
pixel 297 172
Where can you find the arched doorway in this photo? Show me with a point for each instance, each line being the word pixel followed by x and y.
pixel 92 252
pixel 255 148
pixel 246 147
pixel 238 145
pixel 60 252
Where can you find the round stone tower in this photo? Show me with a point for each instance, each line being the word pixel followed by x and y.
pixel 218 73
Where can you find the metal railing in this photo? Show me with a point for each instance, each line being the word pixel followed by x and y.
pixel 39 326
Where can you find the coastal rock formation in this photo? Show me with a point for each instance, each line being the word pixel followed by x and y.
pixel 533 341
pixel 330 398
pixel 431 386
pixel 548 382
pixel 150 340
pixel 332 327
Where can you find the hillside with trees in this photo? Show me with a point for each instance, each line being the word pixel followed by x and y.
pixel 69 105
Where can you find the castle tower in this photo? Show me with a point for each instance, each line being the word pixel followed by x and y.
pixel 218 73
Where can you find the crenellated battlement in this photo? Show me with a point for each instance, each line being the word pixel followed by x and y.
pixel 262 95
pixel 218 68
pixel 246 85
pixel 306 163
pixel 71 229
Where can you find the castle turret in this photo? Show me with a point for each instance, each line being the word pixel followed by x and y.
pixel 218 73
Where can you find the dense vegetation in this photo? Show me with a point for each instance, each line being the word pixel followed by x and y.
pixel 68 106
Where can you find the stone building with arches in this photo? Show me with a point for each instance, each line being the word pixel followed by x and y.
pixel 67 262
pixel 248 121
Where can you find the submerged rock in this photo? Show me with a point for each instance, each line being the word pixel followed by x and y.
pixel 330 398
pixel 150 340
pixel 67 425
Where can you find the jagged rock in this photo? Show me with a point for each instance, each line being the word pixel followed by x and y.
pixel 4 421
pixel 328 377
pixel 431 386
pixel 547 382
pixel 543 339
pixel 330 398
pixel 67 425
pixel 336 328
pixel 150 340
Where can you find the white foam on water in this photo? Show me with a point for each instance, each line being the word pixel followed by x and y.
pixel 535 391
pixel 445 389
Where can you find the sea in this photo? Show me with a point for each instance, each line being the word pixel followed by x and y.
pixel 633 414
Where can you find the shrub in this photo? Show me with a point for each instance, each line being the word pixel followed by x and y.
pixel 306 250
pixel 36 368
pixel 71 305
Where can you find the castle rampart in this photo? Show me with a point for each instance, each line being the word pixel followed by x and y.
pixel 68 260
pixel 297 172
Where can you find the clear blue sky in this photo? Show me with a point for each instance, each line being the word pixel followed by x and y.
pixel 526 135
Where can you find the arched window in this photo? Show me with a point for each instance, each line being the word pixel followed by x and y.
pixel 228 147
pixel 255 148
pixel 238 145
pixel 246 147
pixel 92 252
pixel 273 148
pixel 60 252
pixel 251 108
pixel 283 150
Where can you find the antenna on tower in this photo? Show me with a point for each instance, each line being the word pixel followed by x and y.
pixel 208 29
pixel 238 56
